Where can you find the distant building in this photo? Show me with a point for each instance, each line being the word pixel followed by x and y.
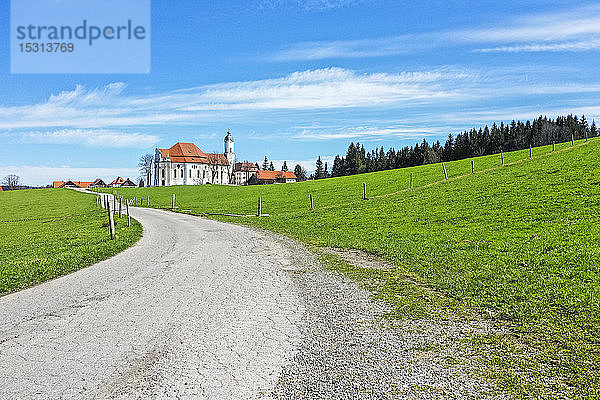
pixel 266 177
pixel 99 183
pixel 78 184
pixel 243 171
pixel 71 184
pixel 186 164
pixel 120 182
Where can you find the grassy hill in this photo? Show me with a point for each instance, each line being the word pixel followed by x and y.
pixel 519 243
pixel 46 233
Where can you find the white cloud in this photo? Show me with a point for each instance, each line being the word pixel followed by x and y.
pixel 308 165
pixel 312 89
pixel 365 133
pixel 571 30
pixel 92 137
pixel 44 175
pixel 583 45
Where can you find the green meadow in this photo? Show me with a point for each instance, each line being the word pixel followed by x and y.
pixel 518 244
pixel 46 233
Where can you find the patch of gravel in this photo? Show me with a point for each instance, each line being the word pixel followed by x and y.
pixel 349 351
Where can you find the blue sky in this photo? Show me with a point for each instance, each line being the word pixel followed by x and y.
pixel 295 79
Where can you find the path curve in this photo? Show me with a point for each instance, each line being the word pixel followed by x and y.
pixel 196 309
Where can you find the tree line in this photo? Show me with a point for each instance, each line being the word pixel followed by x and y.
pixel 472 143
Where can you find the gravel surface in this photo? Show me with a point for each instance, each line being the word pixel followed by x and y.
pixel 350 351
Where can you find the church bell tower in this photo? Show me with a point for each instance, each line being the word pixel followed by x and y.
pixel 229 154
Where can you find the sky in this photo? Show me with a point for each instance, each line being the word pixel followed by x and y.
pixel 297 79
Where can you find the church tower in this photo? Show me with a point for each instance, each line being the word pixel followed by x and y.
pixel 229 148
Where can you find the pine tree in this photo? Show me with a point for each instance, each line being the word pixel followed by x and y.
pixel 265 164
pixel 338 167
pixel 271 166
pixel 300 173
pixel 593 130
pixel 319 168
pixel 284 167
pixel 325 171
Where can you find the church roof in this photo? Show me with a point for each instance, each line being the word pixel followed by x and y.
pixel 189 152
pixel 184 152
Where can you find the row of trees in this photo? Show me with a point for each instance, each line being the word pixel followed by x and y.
pixel 473 143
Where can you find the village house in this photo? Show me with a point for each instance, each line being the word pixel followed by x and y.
pixel 186 164
pixel 267 177
pixel 120 182
pixel 243 171
pixel 98 183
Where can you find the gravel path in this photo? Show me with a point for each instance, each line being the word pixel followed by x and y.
pixel 204 310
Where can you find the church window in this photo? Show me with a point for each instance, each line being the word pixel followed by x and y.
pixel 182 173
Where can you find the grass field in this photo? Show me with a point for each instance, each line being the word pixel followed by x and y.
pixel 519 243
pixel 46 233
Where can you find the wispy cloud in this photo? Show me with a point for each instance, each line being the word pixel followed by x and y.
pixel 308 165
pixel 329 88
pixel 365 133
pixel 308 5
pixel 571 30
pixel 92 137
pixel 583 45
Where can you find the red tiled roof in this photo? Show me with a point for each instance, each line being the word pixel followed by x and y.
pixel 245 166
pixel 189 152
pixel 272 175
pixel 184 152
pixel 81 184
pixel 118 181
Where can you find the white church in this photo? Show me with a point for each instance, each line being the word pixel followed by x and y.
pixel 186 164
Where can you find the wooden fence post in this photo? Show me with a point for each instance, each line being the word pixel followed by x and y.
pixel 260 206
pixel 311 202
pixel 128 216
pixel 445 173
pixel 530 151
pixel 586 137
pixel 148 203
pixel 364 190
pixel 502 156
pixel 572 140
pixel 553 146
pixel 111 222
pixel 120 207
pixel 173 202
pixel 114 202
pixel 97 201
pixel 411 180
pixel 472 166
